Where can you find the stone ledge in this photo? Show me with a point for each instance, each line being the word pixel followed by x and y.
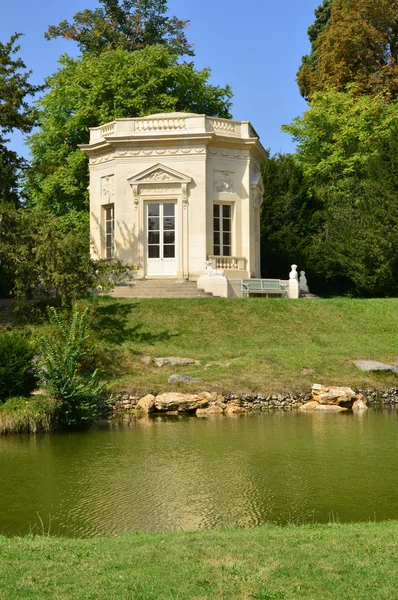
pixel 125 402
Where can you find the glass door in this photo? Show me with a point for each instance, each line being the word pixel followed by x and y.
pixel 161 239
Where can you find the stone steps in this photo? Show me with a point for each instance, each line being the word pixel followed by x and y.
pixel 161 288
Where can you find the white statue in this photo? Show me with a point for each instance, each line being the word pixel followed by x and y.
pixel 211 272
pixel 293 273
pixel 303 283
pixel 293 290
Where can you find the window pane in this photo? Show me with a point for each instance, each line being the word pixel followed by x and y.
pixel 226 211
pixel 153 252
pixel 216 238
pixel 109 224
pixel 153 210
pixel 216 224
pixel 226 224
pixel 227 239
pixel 168 209
pixel 216 250
pixel 154 237
pixel 153 223
pixel 216 210
pixel 168 237
pixel 169 223
pixel 169 251
pixel 226 250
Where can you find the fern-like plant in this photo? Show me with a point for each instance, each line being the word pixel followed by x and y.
pixel 79 395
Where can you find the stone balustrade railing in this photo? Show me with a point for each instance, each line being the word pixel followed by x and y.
pixel 194 124
pixel 160 125
pixel 223 125
pixel 108 129
pixel 236 263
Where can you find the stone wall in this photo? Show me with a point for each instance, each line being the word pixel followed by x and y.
pixel 255 402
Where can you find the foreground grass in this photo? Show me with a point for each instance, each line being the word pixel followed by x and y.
pixel 254 345
pixel 318 562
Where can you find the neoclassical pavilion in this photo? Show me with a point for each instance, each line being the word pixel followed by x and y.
pixel 169 192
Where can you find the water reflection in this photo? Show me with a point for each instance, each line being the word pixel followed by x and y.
pixel 185 473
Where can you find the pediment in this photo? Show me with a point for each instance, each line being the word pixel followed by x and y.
pixel 159 174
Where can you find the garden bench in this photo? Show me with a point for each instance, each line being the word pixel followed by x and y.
pixel 262 286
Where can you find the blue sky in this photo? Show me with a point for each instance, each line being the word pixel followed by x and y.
pixel 255 46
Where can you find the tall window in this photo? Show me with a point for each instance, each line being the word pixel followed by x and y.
pixel 109 217
pixel 222 214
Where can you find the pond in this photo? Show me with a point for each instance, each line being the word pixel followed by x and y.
pixel 189 474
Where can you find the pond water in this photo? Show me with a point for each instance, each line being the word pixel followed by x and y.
pixel 189 474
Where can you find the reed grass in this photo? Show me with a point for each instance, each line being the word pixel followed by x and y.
pixel 33 415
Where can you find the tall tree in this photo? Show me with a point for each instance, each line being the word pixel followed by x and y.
pixel 15 114
pixel 338 135
pixel 347 152
pixel 358 242
pixel 92 90
pixel 358 48
pixel 289 216
pixel 124 24
pixel 322 20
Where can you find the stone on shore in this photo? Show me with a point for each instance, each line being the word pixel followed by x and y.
pixel 373 365
pixel 146 404
pixel 146 359
pixel 184 379
pixel 234 409
pixel 183 402
pixel 360 403
pixel 329 408
pixel 213 409
pixel 175 361
pixel 309 406
pixel 332 395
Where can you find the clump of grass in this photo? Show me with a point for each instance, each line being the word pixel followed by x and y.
pixel 35 415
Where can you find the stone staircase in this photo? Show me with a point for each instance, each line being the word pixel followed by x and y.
pixel 158 288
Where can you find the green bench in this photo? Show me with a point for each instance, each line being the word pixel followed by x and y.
pixel 262 286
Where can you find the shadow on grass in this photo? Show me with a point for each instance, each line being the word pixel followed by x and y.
pixel 111 324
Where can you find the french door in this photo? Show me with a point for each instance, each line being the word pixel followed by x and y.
pixel 161 239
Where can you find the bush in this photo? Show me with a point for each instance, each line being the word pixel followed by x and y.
pixel 16 369
pixel 79 395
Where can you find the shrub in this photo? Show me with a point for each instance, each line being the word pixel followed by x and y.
pixel 79 395
pixel 16 369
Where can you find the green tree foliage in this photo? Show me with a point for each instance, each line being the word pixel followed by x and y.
pixel 79 395
pixel 15 114
pixel 322 19
pixel 346 234
pixel 124 25
pixel 289 216
pixel 360 46
pixel 338 135
pixel 47 257
pixel 93 90
pixel 16 369
pixel 358 242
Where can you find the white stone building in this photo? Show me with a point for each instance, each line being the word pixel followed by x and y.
pixel 169 192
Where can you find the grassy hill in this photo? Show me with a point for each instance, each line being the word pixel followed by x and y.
pixel 254 345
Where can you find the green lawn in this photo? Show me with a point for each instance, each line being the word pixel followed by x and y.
pixel 254 345
pixel 319 562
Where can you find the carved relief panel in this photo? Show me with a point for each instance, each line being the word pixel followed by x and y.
pixel 107 188
pixel 224 181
